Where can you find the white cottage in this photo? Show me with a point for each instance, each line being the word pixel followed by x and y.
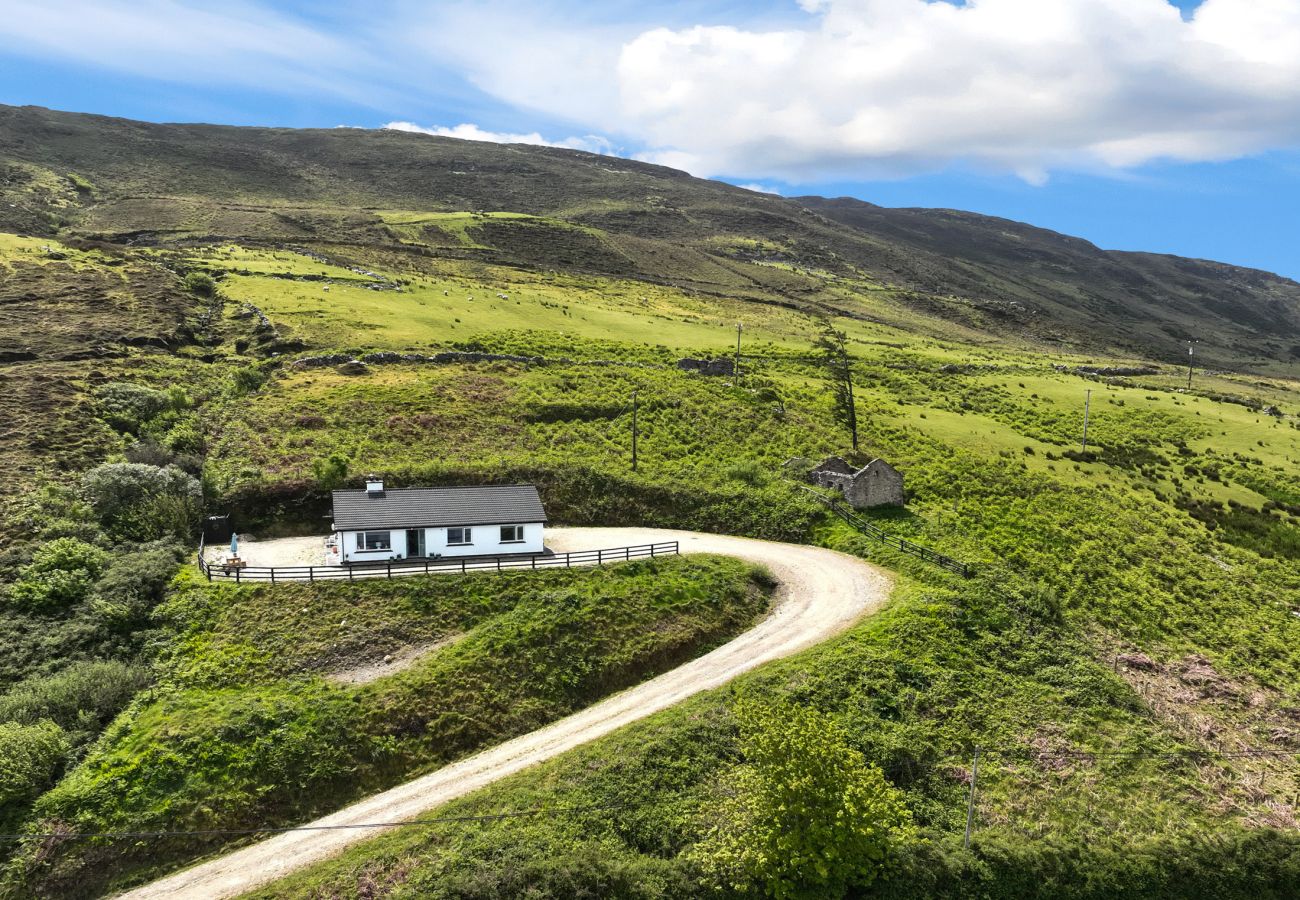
pixel 377 525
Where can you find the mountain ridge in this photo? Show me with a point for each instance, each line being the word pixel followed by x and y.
pixel 127 182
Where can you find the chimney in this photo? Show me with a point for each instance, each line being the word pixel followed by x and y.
pixel 374 486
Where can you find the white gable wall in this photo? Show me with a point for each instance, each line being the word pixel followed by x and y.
pixel 486 541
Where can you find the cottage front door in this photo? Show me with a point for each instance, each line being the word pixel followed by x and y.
pixel 414 542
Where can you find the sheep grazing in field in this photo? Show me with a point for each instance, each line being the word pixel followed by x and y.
pixel 445 293
pixel 503 296
pixel 327 288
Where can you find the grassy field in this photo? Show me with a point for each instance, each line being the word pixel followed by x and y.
pixel 1135 599
pixel 247 724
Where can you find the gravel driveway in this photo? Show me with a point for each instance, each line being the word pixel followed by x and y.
pixel 290 551
pixel 820 593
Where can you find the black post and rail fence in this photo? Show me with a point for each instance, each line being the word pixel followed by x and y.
pixel 429 566
pixel 848 514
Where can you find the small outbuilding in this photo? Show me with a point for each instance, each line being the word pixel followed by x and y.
pixel 378 525
pixel 875 484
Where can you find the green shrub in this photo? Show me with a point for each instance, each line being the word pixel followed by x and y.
pixel 330 472
pixel 185 436
pixel 30 758
pixel 61 573
pixel 749 471
pixel 143 502
pixel 82 698
pixel 805 815
pixel 200 284
pixel 246 380
pixel 127 406
pixel 133 584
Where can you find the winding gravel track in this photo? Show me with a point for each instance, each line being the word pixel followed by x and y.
pixel 820 593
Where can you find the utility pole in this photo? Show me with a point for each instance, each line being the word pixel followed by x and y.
pixel 1087 402
pixel 1189 364
pixel 970 803
pixel 738 327
pixel 634 431
pixel 853 406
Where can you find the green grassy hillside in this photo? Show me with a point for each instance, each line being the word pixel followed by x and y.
pixel 1126 652
pixel 141 183
pixel 253 720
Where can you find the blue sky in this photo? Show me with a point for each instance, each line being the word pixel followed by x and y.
pixel 1132 123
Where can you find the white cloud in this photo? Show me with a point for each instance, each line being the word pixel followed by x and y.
pixel 835 89
pixel 871 88
pixel 592 143
pixel 760 188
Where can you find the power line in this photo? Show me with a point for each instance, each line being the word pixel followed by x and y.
pixel 488 817
pixel 1144 754
pixel 982 753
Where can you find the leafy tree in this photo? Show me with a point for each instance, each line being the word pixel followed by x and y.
pixel 61 573
pixel 805 816
pixel 143 502
pixel 832 350
pixel 330 472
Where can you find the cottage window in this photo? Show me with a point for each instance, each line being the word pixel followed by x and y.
pixel 459 536
pixel 512 534
pixel 375 540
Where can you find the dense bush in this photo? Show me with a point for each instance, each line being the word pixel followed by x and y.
pixel 30 758
pixel 127 406
pixel 246 380
pixel 805 816
pixel 134 583
pixel 144 502
pixel 81 699
pixel 60 574
pixel 200 284
pixel 331 472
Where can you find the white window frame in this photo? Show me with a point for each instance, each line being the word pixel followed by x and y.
pixel 514 529
pixel 374 540
pixel 466 537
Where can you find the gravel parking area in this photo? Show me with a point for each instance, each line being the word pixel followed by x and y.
pixel 291 551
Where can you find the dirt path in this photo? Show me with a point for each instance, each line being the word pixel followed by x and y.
pixel 820 594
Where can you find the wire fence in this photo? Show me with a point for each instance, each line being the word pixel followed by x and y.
pixel 431 566
pixel 846 512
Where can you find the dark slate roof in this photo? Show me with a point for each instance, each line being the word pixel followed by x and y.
pixel 495 504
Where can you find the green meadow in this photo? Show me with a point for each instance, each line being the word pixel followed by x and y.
pixel 1134 603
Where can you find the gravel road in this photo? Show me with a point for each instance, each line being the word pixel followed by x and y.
pixel 820 593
